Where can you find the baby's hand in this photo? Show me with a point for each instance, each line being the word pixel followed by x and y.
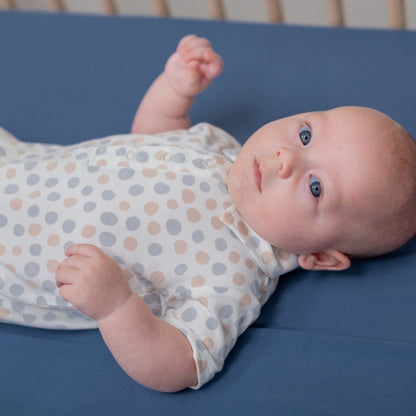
pixel 92 281
pixel 193 66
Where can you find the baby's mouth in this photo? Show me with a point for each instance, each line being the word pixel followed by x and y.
pixel 257 174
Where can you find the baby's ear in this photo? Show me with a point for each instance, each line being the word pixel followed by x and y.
pixel 324 260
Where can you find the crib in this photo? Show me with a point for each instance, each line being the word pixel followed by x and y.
pixel 326 343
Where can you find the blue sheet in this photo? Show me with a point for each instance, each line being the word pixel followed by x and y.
pixel 326 343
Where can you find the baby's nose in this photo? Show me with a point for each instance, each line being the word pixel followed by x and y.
pixel 285 159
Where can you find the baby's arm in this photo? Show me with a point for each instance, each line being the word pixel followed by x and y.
pixel 151 351
pixel 188 72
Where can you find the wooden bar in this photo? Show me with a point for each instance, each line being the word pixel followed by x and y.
pixel 216 9
pixel 335 12
pixel 57 5
pixel 8 4
pixel 397 14
pixel 161 7
pixel 109 7
pixel 274 11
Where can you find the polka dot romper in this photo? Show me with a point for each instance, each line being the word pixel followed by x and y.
pixel 159 206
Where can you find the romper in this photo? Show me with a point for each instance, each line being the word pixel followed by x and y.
pixel 159 206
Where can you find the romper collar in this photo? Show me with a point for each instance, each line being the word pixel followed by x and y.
pixel 271 260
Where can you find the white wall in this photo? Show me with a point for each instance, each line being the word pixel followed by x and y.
pixel 358 13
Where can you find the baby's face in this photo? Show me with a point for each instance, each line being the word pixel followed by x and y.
pixel 302 182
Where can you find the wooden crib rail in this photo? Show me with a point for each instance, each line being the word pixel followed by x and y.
pixel 217 10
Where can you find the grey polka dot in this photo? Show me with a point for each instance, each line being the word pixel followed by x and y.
pixel 161 188
pixel 82 155
pixel 204 187
pixel 173 226
pixel 16 289
pixel 173 139
pixel 33 211
pixel 18 306
pixel 183 292
pixel 181 269
pixel 255 288
pixel 49 316
pixel 220 289
pixel 136 190
pixel 32 269
pixel 198 236
pixel 54 196
pixel 51 182
pixel 108 195
pixel 2 151
pixel 29 318
pixel 101 151
pixel 211 323
pixel 223 351
pixel 87 190
pixel 3 220
pixel 121 151
pixel 30 165
pixel 220 244
pixel 1 283
pixel 107 239
pixel 68 244
pixel 18 230
pixel 51 217
pixel 73 182
pixel 35 249
pixel 188 180
pixel 219 269
pixel 93 169
pixel 151 298
pixel 125 174
pixel 90 206
pixel 108 218
pixel 226 311
pixel 142 157
pixel 32 179
pixel 254 242
pixel 199 163
pixel 40 300
pixel 132 223
pixel 188 315
pixel 11 189
pixel 155 249
pixel 179 158
pixel 68 226
pixel 138 268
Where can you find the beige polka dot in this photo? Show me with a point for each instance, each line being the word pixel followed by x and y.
pixel 216 223
pixel 198 281
pixel 2 249
pixel 180 246
pixel 118 142
pixel 66 155
pixel 149 173
pixel 245 300
pixel 284 255
pixel 234 257
pixel 172 204
pixel 209 343
pixel 53 240
pixel 16 204
pixel 128 274
pixel 228 218
pixel 32 285
pixel 157 277
pixel 52 265
pixel 170 175
pixel 188 196
pixel 137 140
pixel 239 279
pixel 267 257
pixel 124 205
pixel 123 164
pixel 162 167
pixel 159 154
pixel 151 208
pixel 153 228
pixel 202 365
pixel 249 264
pixel 193 215
pixel 11 268
pixel 226 329
pixel 70 167
pixel 101 162
pixel 211 204
pixel 34 194
pixel 88 231
pixel 34 229
pixel 51 166
pixel 17 250
pixel 11 173
pixel 202 257
pixel 242 228
pixel 220 160
pixel 70 202
pixel 203 301
pixel 4 313
pixel 103 179
pixel 226 204
pixel 130 243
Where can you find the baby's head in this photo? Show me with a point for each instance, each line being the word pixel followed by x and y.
pixel 329 185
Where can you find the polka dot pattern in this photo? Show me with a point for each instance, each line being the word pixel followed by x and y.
pixel 159 206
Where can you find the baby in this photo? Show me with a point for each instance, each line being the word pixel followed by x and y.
pixel 175 236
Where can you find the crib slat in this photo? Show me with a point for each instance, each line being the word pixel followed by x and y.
pixel 335 12
pixel 8 4
pixel 109 7
pixel 274 11
pixel 397 14
pixel 57 5
pixel 216 9
pixel 161 7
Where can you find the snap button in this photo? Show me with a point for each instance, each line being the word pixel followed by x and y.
pixel 130 155
pixel 210 163
pixel 167 156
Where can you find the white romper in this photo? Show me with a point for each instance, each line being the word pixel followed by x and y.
pixel 157 204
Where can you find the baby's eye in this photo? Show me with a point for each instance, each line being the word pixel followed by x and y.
pixel 315 186
pixel 305 135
